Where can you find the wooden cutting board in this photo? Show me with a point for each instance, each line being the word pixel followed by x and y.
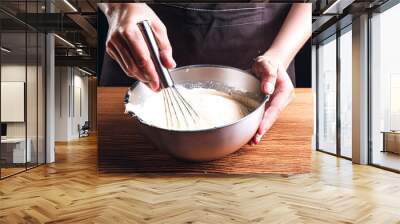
pixel 286 149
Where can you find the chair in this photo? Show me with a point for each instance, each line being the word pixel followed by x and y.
pixel 84 130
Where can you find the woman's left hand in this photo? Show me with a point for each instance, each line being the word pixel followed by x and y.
pixel 275 82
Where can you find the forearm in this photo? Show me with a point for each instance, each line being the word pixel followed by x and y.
pixel 295 31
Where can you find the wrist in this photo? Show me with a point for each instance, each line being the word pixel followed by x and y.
pixel 109 8
pixel 276 56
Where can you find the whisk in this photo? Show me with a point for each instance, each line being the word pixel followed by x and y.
pixel 178 111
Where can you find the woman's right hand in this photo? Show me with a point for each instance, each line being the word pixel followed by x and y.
pixel 125 43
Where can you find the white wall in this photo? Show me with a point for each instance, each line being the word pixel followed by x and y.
pixel 62 81
pixel 71 102
pixel 16 72
pixel 80 102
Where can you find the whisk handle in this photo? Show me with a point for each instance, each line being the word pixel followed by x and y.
pixel 163 73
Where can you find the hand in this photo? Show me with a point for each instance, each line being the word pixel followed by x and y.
pixel 275 82
pixel 126 45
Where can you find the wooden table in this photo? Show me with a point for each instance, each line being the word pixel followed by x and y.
pixel 391 141
pixel 285 149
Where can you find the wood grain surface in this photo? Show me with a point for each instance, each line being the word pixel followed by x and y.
pixel 286 149
pixel 71 191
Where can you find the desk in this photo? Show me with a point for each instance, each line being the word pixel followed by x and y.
pixel 391 141
pixel 13 150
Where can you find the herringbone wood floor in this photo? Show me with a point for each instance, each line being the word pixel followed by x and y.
pixel 71 191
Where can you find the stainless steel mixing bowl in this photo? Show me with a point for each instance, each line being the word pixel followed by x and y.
pixel 205 144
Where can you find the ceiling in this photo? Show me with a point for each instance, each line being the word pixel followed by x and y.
pixel 330 16
pixel 72 20
pixel 16 42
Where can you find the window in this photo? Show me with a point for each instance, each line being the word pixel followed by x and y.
pixel 385 89
pixel 346 92
pixel 22 79
pixel 332 77
pixel 326 61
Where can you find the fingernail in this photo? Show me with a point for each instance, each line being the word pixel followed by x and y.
pixel 153 86
pixel 258 138
pixel 268 88
pixel 173 63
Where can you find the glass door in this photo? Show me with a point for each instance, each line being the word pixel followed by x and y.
pixel 35 89
pixel 22 77
pixel 14 144
pixel 345 93
pixel 385 89
pixel 326 84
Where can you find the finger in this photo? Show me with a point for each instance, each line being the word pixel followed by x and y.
pixel 269 117
pixel 117 57
pixel 112 51
pixel 253 140
pixel 279 100
pixel 256 66
pixel 122 49
pixel 131 72
pixel 141 54
pixel 269 74
pixel 160 33
pixel 109 51
pixel 133 67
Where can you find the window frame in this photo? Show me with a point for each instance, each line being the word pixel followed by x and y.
pixel 333 37
pixel 378 10
pixel 29 29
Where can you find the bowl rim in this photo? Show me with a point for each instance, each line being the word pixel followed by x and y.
pixel 133 115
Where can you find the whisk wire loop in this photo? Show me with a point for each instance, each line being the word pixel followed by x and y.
pixel 167 109
pixel 189 109
pixel 175 106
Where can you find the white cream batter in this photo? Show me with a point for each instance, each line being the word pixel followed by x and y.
pixel 214 108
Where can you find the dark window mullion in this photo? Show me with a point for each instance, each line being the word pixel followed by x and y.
pixel 369 77
pixel 37 90
pixel 317 97
pixel 26 87
pixel 338 91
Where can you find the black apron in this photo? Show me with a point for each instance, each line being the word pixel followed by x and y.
pixel 222 34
